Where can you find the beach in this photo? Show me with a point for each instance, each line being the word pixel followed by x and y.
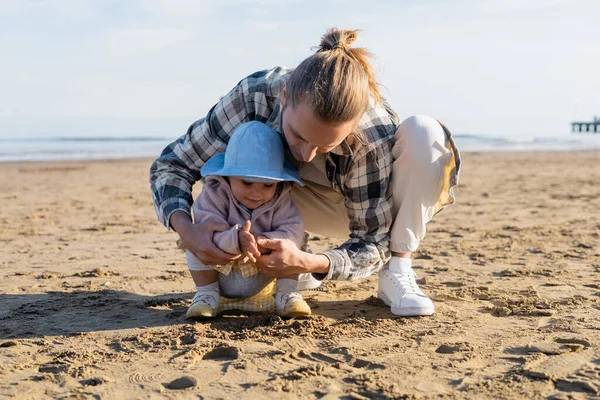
pixel 93 295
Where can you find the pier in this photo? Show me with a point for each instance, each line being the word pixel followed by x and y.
pixel 593 126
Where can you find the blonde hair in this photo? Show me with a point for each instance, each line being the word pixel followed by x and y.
pixel 337 81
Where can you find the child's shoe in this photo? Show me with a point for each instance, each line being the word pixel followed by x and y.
pixel 204 305
pixel 291 304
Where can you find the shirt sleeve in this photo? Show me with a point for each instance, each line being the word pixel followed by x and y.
pixel 174 172
pixel 368 200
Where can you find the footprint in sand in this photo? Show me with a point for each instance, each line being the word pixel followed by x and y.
pixel 184 382
pixel 571 363
pixel 140 378
pixel 552 348
pixel 451 348
pixel 96 272
pixel 311 363
pixel 222 354
pixel 569 371
pixel 95 381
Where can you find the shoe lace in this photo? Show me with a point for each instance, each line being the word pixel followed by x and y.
pixel 287 296
pixel 406 281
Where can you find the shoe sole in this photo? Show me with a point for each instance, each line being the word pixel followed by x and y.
pixel 199 314
pixel 295 314
pixel 406 311
pixel 297 310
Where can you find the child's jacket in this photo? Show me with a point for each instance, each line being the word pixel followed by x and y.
pixel 279 218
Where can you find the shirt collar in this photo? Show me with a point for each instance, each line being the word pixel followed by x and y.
pixel 243 207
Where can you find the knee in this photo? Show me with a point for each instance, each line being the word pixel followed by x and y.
pixel 420 123
pixel 420 138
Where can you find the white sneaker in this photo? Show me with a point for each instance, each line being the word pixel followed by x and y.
pixel 291 304
pixel 398 289
pixel 307 282
pixel 204 305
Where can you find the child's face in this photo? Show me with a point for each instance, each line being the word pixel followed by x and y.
pixel 252 194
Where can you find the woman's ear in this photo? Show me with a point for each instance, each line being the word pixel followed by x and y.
pixel 282 96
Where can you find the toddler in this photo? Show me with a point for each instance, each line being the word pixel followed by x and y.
pixel 247 192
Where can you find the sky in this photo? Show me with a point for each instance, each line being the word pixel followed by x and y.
pixel 152 67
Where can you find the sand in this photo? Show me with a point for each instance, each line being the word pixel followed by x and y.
pixel 93 294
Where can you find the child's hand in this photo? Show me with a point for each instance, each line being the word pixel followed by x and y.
pixel 248 244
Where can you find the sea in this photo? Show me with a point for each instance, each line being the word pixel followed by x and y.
pixel 55 148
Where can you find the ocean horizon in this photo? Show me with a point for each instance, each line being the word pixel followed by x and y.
pixel 63 148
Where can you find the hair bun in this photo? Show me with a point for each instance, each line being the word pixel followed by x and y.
pixel 338 39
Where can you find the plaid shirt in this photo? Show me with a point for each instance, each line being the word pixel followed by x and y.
pixel 359 170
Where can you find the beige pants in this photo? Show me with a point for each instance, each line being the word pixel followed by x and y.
pixel 420 156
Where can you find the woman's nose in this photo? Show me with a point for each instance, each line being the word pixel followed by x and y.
pixel 308 153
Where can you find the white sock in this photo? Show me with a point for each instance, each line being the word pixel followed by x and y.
pixel 287 285
pixel 400 264
pixel 211 287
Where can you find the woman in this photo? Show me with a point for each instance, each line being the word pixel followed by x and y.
pixel 369 178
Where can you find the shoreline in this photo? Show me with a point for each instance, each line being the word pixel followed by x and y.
pixel 151 159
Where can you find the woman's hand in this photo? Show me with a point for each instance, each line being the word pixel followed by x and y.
pixel 197 238
pixel 284 259
pixel 262 250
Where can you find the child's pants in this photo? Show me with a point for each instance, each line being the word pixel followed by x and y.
pixel 234 285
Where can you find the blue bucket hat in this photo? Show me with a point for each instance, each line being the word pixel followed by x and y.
pixel 254 153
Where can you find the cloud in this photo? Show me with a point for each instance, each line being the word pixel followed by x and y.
pixel 10 8
pixel 177 11
pixel 133 41
pixel 507 9
pixel 458 60
pixel 266 26
pixel 68 9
